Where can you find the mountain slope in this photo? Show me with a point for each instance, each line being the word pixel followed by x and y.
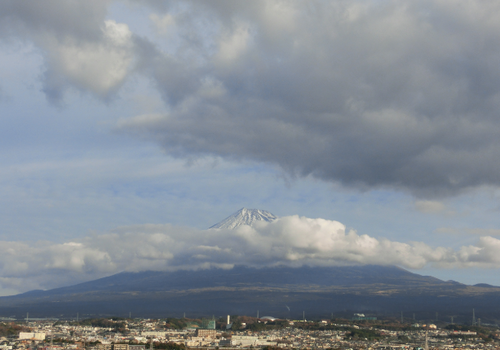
pixel 241 276
pixel 244 216
pixel 379 290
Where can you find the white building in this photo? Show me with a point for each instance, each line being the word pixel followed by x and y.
pixel 31 336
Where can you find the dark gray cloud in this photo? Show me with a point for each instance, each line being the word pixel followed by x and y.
pixel 395 94
pixel 392 94
pixel 72 18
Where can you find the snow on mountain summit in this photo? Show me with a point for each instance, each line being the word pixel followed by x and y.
pixel 245 216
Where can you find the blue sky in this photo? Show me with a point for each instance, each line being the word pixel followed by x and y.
pixel 116 115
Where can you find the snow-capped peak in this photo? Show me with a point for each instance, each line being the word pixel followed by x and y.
pixel 245 216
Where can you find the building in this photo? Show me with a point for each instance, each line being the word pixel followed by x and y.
pixel 246 341
pixel 206 333
pixel 31 336
pixel 137 347
pixel 120 347
pixel 155 334
pixel 463 333
pixel 104 346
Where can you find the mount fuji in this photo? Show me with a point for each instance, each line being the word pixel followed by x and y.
pixel 320 290
pixel 244 216
pixel 384 291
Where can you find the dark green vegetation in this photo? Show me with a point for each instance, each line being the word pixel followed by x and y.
pixel 281 292
pixel 363 334
pixel 174 323
pixel 11 329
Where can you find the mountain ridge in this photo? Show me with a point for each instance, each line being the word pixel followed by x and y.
pixel 375 289
pixel 239 275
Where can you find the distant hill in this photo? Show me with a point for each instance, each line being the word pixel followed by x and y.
pixel 319 291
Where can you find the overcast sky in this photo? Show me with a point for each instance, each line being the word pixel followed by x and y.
pixel 372 128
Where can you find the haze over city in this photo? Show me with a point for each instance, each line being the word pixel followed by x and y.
pixel 128 128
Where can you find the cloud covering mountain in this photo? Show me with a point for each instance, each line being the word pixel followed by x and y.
pixel 290 241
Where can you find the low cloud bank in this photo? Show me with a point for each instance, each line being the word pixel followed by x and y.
pixel 292 241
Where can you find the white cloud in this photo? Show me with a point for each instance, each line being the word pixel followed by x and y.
pixel 97 66
pixel 81 48
pixel 292 241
